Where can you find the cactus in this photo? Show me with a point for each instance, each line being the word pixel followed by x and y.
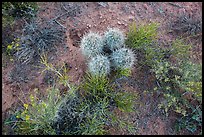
pixel 99 65
pixel 122 58
pixel 91 44
pixel 113 39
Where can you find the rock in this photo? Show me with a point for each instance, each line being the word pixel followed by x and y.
pixel 76 68
pixel 145 6
pixel 132 12
pixel 88 25
pixel 131 18
pixel 119 22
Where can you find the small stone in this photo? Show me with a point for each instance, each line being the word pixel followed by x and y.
pixel 119 22
pixel 76 68
pixel 100 17
pixel 131 18
pixel 88 25
pixel 132 12
pixel 145 6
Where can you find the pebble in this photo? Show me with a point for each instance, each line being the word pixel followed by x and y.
pixel 145 6
pixel 132 12
pixel 131 18
pixel 119 22
pixel 88 25
pixel 76 68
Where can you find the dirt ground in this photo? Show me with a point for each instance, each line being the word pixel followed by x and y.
pixel 97 17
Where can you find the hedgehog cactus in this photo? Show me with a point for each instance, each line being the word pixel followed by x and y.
pixel 113 39
pixel 122 58
pixel 91 44
pixel 99 65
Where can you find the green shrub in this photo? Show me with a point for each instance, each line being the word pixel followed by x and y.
pixel 176 76
pixel 12 10
pixel 142 35
pixel 37 116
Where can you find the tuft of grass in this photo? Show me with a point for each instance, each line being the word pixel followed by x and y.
pixel 36 116
pixel 139 36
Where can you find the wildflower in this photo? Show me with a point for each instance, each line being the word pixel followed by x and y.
pixel 26 106
pixel 43 104
pixel 17 44
pixel 17 116
pixel 27 117
pixel 9 47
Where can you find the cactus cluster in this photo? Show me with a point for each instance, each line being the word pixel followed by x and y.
pixel 106 51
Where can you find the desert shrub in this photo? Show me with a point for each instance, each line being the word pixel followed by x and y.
pixel 13 47
pixel 35 40
pixel 13 10
pixel 186 25
pixel 175 74
pixel 122 58
pixel 91 44
pixel 99 65
pixel 113 39
pixel 36 117
pixel 67 117
pixel 139 36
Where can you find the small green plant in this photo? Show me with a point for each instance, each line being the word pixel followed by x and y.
pixel 142 35
pixel 36 117
pixel 122 58
pixel 113 39
pixel 99 65
pixel 13 47
pixel 125 101
pixel 13 10
pixel 61 73
pixel 91 44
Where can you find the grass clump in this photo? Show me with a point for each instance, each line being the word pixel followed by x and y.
pixel 142 35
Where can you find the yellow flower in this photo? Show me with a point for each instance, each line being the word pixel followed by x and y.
pixel 27 117
pixel 43 104
pixel 17 116
pixel 31 98
pixel 17 44
pixel 26 106
pixel 9 47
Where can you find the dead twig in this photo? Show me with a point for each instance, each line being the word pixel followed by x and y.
pixel 176 5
